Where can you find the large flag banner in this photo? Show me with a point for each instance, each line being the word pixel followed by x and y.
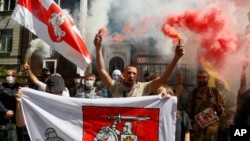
pixel 52 117
pixel 45 19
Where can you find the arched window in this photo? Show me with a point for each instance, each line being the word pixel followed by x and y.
pixel 116 63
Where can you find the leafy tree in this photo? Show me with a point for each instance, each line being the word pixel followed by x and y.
pixel 2 70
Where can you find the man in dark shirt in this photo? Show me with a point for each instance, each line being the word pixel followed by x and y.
pixel 8 100
pixel 242 115
pixel 76 86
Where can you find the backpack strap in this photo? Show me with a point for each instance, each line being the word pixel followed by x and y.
pixel 195 91
pixel 213 94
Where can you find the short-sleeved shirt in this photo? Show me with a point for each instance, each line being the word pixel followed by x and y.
pixel 42 87
pixel 118 89
pixel 183 124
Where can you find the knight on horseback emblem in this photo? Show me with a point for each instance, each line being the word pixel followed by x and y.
pixel 108 133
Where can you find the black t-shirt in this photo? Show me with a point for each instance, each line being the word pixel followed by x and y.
pixel 242 115
pixel 183 124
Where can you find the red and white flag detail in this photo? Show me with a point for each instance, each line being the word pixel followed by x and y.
pixel 45 19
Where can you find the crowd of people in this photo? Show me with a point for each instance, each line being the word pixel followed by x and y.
pixel 209 113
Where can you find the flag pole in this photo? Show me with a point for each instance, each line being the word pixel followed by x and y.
pixel 82 29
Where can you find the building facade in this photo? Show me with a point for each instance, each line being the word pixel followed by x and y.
pixel 15 41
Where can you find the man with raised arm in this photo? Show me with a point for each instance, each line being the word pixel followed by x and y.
pixel 129 87
pixel 55 82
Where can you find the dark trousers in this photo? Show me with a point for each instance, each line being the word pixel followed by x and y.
pixel 22 134
pixel 223 134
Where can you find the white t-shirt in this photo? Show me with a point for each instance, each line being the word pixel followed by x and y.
pixel 42 87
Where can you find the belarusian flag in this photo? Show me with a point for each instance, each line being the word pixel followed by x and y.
pixel 45 19
pixel 51 117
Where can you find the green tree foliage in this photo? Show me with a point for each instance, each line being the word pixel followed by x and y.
pixel 2 70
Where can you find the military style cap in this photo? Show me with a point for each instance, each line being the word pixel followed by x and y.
pixel 202 73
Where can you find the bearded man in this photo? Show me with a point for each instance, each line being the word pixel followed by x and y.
pixel 202 99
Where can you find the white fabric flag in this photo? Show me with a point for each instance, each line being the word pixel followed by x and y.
pixel 45 19
pixel 52 117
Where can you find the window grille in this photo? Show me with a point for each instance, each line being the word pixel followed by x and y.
pixel 6 40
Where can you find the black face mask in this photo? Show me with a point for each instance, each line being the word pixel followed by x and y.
pixel 46 75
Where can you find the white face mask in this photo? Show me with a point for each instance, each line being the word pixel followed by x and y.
pixel 10 79
pixel 77 81
pixel 89 84
pixel 116 75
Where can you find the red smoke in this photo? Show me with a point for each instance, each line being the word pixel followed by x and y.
pixel 216 39
pixel 138 29
pixel 117 38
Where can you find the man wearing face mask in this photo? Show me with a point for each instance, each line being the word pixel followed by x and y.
pixel 45 74
pixel 76 86
pixel 116 75
pixel 89 90
pixel 8 101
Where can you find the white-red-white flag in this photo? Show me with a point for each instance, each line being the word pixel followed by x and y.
pixel 51 117
pixel 45 19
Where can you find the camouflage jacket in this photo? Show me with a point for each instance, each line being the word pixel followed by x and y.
pixel 199 100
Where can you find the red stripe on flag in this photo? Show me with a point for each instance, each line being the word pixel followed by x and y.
pixel 70 37
pixel 35 7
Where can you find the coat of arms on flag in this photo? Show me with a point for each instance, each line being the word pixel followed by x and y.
pixel 120 123
pixel 56 20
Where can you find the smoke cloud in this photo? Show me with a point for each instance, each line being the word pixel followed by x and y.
pixel 215 30
pixel 39 48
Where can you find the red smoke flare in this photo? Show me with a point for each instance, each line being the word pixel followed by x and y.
pixel 171 32
pixel 103 31
pixel 212 29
